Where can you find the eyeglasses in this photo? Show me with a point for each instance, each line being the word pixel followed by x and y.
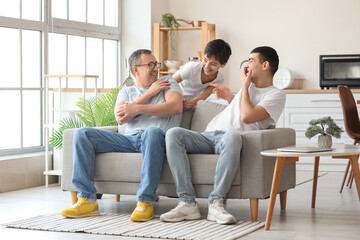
pixel 151 65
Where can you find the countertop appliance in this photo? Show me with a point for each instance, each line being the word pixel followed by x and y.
pixel 340 70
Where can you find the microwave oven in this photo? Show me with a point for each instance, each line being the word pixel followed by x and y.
pixel 340 70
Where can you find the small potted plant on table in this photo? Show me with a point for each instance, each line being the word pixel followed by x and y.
pixel 326 127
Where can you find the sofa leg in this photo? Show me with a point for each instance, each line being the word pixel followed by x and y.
pixel 117 197
pixel 74 198
pixel 283 196
pixel 254 207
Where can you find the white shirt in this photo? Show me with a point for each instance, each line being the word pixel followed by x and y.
pixel 191 84
pixel 270 98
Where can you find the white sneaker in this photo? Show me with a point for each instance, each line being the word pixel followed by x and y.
pixel 183 211
pixel 217 213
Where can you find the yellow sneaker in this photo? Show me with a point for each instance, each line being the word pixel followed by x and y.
pixel 83 208
pixel 143 212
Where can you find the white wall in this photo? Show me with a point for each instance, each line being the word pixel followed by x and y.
pixel 300 30
pixel 136 29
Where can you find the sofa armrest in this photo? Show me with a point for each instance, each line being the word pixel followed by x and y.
pixel 257 170
pixel 67 157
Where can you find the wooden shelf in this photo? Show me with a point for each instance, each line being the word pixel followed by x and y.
pixel 80 89
pixel 161 41
pixel 56 172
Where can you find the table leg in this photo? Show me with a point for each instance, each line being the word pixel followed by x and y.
pixel 355 167
pixel 315 179
pixel 274 188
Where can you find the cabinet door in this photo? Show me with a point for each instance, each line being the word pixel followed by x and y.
pixel 299 118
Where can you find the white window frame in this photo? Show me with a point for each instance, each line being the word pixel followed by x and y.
pixel 47 25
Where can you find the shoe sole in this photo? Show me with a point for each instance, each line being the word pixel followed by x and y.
pixel 189 217
pixel 141 220
pixel 213 219
pixel 81 216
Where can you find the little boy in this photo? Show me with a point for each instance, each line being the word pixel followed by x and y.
pixel 195 78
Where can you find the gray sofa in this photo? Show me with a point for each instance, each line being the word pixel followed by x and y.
pixel 119 173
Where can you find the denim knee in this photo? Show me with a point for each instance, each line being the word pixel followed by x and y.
pixel 81 133
pixel 173 135
pixel 232 140
pixel 154 134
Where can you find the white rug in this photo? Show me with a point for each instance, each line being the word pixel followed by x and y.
pixel 120 225
pixel 306 176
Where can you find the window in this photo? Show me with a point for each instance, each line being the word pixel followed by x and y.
pixel 50 37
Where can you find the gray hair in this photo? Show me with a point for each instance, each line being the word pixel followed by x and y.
pixel 134 58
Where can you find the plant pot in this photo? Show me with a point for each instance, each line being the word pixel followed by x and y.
pixel 324 141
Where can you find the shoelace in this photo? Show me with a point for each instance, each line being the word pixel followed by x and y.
pixel 140 209
pixel 177 207
pixel 221 208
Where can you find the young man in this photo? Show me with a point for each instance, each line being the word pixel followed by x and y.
pixel 256 106
pixel 148 109
pixel 195 77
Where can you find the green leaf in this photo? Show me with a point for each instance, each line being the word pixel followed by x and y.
pixel 323 126
pixel 93 112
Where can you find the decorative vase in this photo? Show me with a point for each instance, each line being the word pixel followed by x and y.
pixel 324 141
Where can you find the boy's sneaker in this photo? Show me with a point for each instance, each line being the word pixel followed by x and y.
pixel 143 212
pixel 183 211
pixel 83 208
pixel 217 213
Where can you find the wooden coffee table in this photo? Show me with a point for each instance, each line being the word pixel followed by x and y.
pixel 339 151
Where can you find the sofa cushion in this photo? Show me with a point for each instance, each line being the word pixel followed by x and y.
pixel 187 116
pixel 204 112
pixel 126 167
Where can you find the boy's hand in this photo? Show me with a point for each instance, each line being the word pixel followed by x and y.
pixel 189 104
pixel 157 86
pixel 222 92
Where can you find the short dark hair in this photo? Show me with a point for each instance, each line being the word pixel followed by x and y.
pixel 219 49
pixel 268 54
pixel 134 58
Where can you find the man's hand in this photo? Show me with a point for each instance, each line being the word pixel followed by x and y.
pixel 157 86
pixel 189 104
pixel 222 92
pixel 246 78
pixel 125 111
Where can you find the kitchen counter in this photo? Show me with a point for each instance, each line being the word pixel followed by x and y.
pixel 311 91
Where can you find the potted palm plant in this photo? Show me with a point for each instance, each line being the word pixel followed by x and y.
pixel 93 112
pixel 326 127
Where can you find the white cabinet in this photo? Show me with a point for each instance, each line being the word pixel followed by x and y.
pixel 300 109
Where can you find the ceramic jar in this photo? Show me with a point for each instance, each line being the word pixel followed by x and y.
pixel 324 141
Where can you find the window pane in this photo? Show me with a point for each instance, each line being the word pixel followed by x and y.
pixel 111 13
pixel 94 60
pixel 31 119
pixel 59 9
pixel 77 10
pixel 10 122
pixel 95 11
pixel 110 63
pixel 31 58
pixel 10 8
pixel 10 57
pixel 76 59
pixel 31 9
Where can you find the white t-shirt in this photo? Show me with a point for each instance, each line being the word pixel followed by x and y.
pixel 270 98
pixel 191 84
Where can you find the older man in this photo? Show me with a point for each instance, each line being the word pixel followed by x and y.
pixel 148 109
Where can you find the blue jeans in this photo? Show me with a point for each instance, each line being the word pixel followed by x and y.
pixel 180 142
pixel 89 141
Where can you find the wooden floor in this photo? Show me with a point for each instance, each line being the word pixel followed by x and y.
pixel 336 216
